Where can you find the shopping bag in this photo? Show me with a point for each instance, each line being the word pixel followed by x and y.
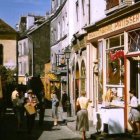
pixel 30 109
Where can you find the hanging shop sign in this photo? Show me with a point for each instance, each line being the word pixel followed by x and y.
pixel 131 20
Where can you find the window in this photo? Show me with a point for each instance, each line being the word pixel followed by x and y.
pixel 115 60
pixel 111 3
pixel 83 6
pixel 20 68
pixel 19 49
pixel 115 69
pixel 77 10
pixel 134 41
pixel 63 26
pixel 58 32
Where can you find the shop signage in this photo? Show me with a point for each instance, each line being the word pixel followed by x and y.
pixel 131 20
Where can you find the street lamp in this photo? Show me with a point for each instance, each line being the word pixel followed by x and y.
pixel 67 53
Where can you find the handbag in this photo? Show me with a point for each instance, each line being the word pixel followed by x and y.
pixel 78 107
pixel 30 109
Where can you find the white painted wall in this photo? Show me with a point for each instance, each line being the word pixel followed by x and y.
pixel 97 10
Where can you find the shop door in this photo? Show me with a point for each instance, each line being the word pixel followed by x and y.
pixel 135 76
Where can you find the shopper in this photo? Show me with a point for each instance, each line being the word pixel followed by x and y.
pixel 41 106
pixel 134 114
pixel 55 104
pixel 64 106
pixel 82 122
pixel 30 105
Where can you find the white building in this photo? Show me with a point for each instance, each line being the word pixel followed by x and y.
pixel 69 18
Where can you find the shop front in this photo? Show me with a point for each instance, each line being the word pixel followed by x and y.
pixel 118 58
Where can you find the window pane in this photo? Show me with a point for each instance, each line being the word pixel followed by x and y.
pixel 114 42
pixel 115 66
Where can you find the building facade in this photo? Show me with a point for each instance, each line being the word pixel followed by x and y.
pixel 116 39
pixel 33 46
pixel 8 45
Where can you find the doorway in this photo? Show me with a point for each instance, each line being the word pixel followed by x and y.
pixel 135 75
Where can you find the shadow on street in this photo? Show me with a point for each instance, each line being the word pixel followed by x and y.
pixel 9 130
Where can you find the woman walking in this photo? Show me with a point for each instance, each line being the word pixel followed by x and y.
pixel 82 122
pixel 55 104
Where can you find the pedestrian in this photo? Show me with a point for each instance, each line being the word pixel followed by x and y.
pixel 134 114
pixel 31 106
pixel 14 95
pixel 55 104
pixel 41 106
pixel 64 106
pixel 19 108
pixel 82 122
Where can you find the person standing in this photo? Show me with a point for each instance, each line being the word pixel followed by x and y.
pixel 64 105
pixel 55 104
pixel 41 106
pixel 19 107
pixel 82 122
pixel 134 114
pixel 30 106
pixel 14 96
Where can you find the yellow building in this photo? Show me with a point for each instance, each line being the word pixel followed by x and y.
pixel 8 46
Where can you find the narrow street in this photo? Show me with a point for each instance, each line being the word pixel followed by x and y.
pixel 9 131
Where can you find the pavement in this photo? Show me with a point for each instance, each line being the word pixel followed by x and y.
pixel 9 131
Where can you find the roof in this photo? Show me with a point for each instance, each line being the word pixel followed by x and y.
pixel 5 28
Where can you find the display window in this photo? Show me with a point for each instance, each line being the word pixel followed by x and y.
pixel 115 60
pixel 115 69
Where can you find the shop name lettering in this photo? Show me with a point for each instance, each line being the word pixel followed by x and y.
pixel 118 54
pixel 115 26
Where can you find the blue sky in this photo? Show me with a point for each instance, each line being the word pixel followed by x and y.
pixel 11 10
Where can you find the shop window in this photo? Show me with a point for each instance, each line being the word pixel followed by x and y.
pixel 115 60
pixel 114 69
pixel 134 41
pixel 115 66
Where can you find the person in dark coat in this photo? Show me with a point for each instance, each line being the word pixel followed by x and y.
pixel 31 101
pixel 41 106
pixel 64 105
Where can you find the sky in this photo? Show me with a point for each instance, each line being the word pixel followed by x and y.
pixel 12 10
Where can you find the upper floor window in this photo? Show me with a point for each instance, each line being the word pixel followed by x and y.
pixel 58 31
pixel 63 26
pixel 77 10
pixel 20 49
pixel 83 6
pixel 111 3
